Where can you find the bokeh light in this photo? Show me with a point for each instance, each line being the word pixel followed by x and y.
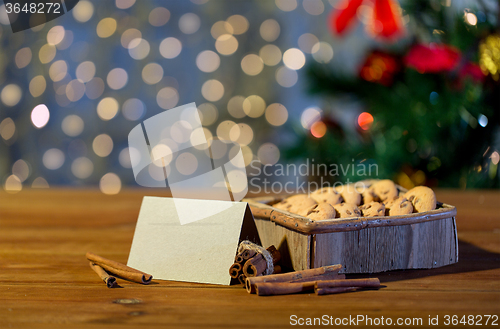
pixel 294 59
pixel 47 53
pixel 117 78
pixel 207 61
pixel 322 52
pixel 252 64
pixel 102 145
pixel 270 54
pixel 208 114
pixel 239 24
pixel 226 44
pixel 221 27
pixel 365 120
pixel 72 125
pixel 189 23
pixel 53 159
pixel 21 170
pixel 106 27
pixel 11 94
pixel 286 5
pixel 23 57
pixel 186 163
pixel 212 90
pixel 12 184
pixel 241 133
pixel 235 107
pixel 318 129
pixel 107 108
pixel 75 90
pixel 170 47
pixel 128 36
pixel 224 128
pixel 40 182
pixel 55 35
pixel 167 98
pixel 7 128
pixel 58 70
pixel 276 114
pixel 270 30
pixel 110 184
pixel 286 77
pixel 82 167
pixel 313 7
pixel 152 73
pixel 254 106
pixel 268 154
pixel 37 86
pixel 133 109
pixel 307 41
pixel 138 48
pixel 83 11
pixel 124 4
pixel 159 16
pixel 85 71
pixel 310 116
pixel 40 116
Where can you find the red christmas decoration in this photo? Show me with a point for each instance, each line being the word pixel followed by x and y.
pixel 380 67
pixel 473 71
pixel 385 21
pixel 434 58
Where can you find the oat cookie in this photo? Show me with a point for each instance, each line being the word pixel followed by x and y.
pixel 289 202
pixel 398 206
pixel 350 194
pixel 328 195
pixel 297 203
pixel 422 198
pixel 385 189
pixel 373 209
pixel 367 196
pixel 319 212
pixel 346 210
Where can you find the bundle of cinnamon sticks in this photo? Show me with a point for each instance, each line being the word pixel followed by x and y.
pixel 323 281
pixel 105 267
pixel 249 263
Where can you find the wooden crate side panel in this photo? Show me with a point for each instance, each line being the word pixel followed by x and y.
pixel 379 249
pixel 295 248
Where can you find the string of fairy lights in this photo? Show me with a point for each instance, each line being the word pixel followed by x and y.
pixel 85 79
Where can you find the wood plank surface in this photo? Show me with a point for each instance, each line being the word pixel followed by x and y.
pixel 45 280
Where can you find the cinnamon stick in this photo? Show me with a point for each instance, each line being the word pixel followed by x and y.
pixel 274 253
pixel 255 266
pixel 283 288
pixel 239 258
pixel 242 278
pixel 360 283
pixel 292 276
pixel 110 280
pixel 234 270
pixel 329 291
pixel 321 287
pixel 322 277
pixel 119 269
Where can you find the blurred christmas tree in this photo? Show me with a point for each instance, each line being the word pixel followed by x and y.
pixel 430 102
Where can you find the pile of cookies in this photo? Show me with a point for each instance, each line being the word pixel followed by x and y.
pixel 382 198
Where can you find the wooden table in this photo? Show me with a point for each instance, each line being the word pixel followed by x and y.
pixel 45 280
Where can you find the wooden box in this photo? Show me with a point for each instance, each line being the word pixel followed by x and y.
pixel 361 244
